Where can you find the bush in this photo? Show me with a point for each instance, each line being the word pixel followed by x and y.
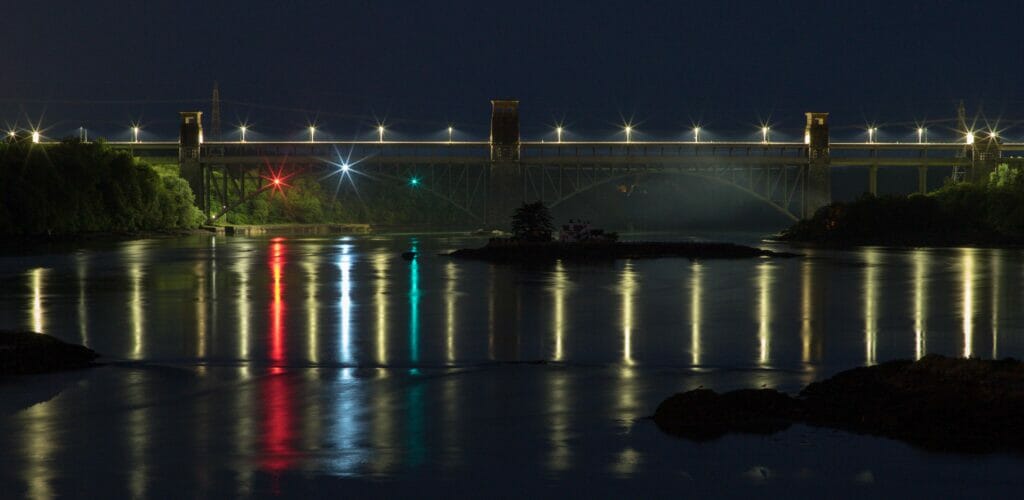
pixel 960 213
pixel 74 187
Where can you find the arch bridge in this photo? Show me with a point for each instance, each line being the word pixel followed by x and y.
pixel 487 179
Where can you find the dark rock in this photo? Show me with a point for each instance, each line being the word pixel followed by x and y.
pixel 938 403
pixel 703 414
pixel 29 352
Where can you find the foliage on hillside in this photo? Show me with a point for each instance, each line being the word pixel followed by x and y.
pixel 312 198
pixel 73 187
pixel 961 213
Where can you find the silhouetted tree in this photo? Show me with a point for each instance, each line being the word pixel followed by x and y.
pixel 532 222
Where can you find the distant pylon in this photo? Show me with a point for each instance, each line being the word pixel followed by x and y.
pixel 961 116
pixel 215 114
pixel 960 170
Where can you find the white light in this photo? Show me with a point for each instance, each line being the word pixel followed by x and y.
pixel 629 133
pixel 807 137
pixel 35 136
pixel 920 134
pixel 135 133
pixel 380 133
pixel 243 129
pixel 344 167
pixel 696 134
pixel 558 132
pixel 969 139
pixel 450 130
pixel 993 135
pixel 764 134
pixel 871 134
pixel 12 134
pixel 312 133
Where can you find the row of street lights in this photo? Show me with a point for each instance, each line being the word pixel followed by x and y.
pixel 559 131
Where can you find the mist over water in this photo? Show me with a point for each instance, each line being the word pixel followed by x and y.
pixel 254 364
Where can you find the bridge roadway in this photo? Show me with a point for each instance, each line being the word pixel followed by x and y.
pixel 778 173
pixel 843 154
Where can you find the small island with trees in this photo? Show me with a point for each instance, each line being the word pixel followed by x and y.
pixel 533 239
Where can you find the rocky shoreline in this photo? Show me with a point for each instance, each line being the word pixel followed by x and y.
pixel 936 403
pixel 23 353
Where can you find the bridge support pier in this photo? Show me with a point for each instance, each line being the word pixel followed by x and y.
pixel 873 180
pixel 189 140
pixel 922 179
pixel 818 187
pixel 504 194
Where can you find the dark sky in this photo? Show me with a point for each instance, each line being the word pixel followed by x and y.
pixel 419 65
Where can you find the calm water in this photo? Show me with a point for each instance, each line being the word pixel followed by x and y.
pixel 304 365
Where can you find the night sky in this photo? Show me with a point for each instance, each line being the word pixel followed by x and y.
pixel 420 65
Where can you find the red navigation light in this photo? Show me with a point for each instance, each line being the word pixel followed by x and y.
pixel 277 178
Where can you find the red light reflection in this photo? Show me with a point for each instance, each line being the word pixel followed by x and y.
pixel 278 420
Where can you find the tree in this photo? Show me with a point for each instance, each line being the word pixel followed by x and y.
pixel 532 222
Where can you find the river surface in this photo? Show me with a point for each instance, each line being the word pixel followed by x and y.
pixel 300 366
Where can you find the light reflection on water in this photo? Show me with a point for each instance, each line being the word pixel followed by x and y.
pixel 399 346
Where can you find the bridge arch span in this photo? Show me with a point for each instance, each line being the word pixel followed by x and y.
pixel 698 174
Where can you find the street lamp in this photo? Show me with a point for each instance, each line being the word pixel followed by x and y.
pixel 558 132
pixel 764 134
pixel 135 133
pixel 696 134
pixel 629 133
pixel 380 133
pixel 871 134
pixel 242 129
pixel 920 135
pixel 35 136
pixel 450 130
pixel 312 133
pixel 969 139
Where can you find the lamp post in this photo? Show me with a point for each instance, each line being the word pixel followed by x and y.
pixel 764 134
pixel 380 133
pixel 558 133
pixel 135 133
pixel 629 133
pixel 243 129
pixel 450 130
pixel 920 135
pixel 312 133
pixel 696 134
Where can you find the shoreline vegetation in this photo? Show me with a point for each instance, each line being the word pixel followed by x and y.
pixel 936 403
pixel 23 353
pixel 985 213
pixel 75 188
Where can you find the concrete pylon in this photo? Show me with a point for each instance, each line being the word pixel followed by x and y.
pixel 818 189
pixel 504 176
pixel 189 141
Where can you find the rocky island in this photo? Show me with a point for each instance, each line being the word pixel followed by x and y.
pixel 936 403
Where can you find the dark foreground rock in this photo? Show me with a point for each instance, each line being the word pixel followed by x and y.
pixel 504 250
pixel 29 352
pixel 937 403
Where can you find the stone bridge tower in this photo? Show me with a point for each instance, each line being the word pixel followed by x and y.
pixel 189 141
pixel 505 176
pixel 818 190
